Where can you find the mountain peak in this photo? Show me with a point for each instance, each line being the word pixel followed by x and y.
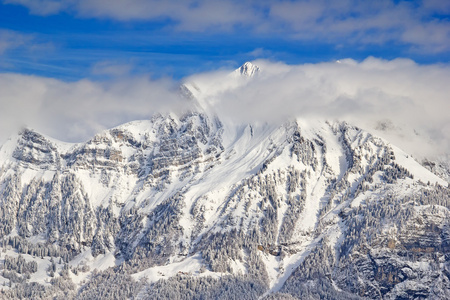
pixel 248 69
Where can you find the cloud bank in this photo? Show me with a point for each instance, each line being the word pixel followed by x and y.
pixel 400 100
pixel 422 25
pixel 75 111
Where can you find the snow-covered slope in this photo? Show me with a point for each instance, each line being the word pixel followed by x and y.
pixel 189 206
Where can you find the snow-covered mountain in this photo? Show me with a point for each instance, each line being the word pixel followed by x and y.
pixel 248 69
pixel 190 206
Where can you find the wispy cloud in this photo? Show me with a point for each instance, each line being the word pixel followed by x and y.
pixel 423 25
pixel 10 40
pixel 110 68
pixel 43 7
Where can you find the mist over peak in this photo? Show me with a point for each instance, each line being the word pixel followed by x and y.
pixel 399 100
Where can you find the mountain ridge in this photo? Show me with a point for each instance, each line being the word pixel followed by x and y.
pixel 189 206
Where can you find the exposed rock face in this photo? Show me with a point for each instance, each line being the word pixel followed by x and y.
pixel 34 149
pixel 294 211
pixel 440 167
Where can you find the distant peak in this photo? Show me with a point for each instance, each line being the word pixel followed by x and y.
pixel 248 69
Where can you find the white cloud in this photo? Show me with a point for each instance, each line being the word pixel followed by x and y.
pixel 11 40
pixel 110 68
pixel 437 6
pixel 412 97
pixel 433 37
pixel 43 7
pixel 75 111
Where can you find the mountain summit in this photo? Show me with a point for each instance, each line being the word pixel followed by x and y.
pixel 248 69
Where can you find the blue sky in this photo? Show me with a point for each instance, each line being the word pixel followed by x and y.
pixel 100 39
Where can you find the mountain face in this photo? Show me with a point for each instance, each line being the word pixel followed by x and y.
pixel 191 207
